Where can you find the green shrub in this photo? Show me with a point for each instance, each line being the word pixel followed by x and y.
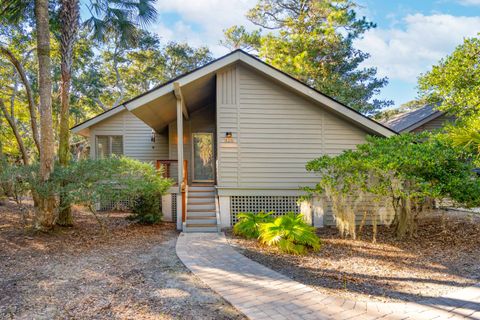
pixel 404 173
pixel 290 233
pixel 147 209
pixel 16 181
pixel 248 224
pixel 88 182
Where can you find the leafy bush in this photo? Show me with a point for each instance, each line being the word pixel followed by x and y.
pixel 147 208
pixel 87 182
pixel 16 181
pixel 466 134
pixel 249 223
pixel 90 181
pixel 290 233
pixel 405 172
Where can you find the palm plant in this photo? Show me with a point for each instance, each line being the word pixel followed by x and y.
pixel 14 10
pixel 249 223
pixel 467 135
pixel 119 22
pixel 120 18
pixel 290 233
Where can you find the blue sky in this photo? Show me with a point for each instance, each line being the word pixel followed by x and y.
pixel 410 37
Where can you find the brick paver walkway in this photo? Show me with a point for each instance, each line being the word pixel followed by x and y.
pixel 261 293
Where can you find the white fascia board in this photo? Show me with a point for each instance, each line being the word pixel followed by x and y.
pixel 97 119
pixel 211 68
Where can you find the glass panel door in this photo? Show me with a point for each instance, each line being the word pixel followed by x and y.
pixel 203 162
pixel 102 147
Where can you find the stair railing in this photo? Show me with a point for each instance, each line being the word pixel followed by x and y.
pixel 217 211
pixel 184 190
pixel 165 165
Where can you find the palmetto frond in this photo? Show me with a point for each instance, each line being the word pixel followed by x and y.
pixel 249 223
pixel 12 11
pixel 120 18
pixel 290 234
pixel 467 135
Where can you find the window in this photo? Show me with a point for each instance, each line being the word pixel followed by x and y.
pixel 108 145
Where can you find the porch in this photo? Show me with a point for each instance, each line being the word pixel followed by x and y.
pixel 186 118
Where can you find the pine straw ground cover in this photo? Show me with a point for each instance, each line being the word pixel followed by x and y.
pixel 443 256
pixel 129 272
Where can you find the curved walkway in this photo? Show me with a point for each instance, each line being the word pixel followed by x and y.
pixel 261 293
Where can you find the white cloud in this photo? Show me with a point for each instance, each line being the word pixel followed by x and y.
pixel 212 17
pixel 405 53
pixel 470 2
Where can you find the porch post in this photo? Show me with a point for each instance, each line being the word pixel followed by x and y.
pixel 180 141
pixel 180 202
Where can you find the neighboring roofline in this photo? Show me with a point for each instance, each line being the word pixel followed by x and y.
pixel 99 117
pixel 421 122
pixel 256 63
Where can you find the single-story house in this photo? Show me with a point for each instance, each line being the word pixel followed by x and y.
pixel 426 118
pixel 235 134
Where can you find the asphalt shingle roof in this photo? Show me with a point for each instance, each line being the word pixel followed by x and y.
pixel 406 120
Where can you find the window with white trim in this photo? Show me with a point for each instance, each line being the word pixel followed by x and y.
pixel 106 146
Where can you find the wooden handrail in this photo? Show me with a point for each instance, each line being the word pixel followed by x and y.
pixel 166 164
pixel 183 184
pixel 184 189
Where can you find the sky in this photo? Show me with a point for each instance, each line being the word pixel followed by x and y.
pixel 410 37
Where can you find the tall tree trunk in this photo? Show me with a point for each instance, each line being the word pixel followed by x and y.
pixel 47 205
pixel 69 20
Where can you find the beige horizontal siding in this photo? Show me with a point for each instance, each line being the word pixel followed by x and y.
pixel 276 132
pixel 434 124
pixel 136 137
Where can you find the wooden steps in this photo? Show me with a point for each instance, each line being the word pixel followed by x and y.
pixel 201 211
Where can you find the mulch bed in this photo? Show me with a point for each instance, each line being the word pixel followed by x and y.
pixel 129 271
pixel 443 256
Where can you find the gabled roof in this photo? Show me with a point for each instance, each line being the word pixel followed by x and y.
pixel 81 127
pixel 411 120
pixel 262 67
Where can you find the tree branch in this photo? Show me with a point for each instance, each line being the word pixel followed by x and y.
pixel 14 127
pixel 31 104
pixel 100 103
pixel 118 78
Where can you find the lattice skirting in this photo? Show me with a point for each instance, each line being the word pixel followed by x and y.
pixel 279 204
pixel 109 205
pixel 174 207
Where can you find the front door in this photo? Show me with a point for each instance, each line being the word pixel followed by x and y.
pixel 203 157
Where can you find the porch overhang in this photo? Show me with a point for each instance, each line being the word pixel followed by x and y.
pixel 158 110
pixel 162 109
